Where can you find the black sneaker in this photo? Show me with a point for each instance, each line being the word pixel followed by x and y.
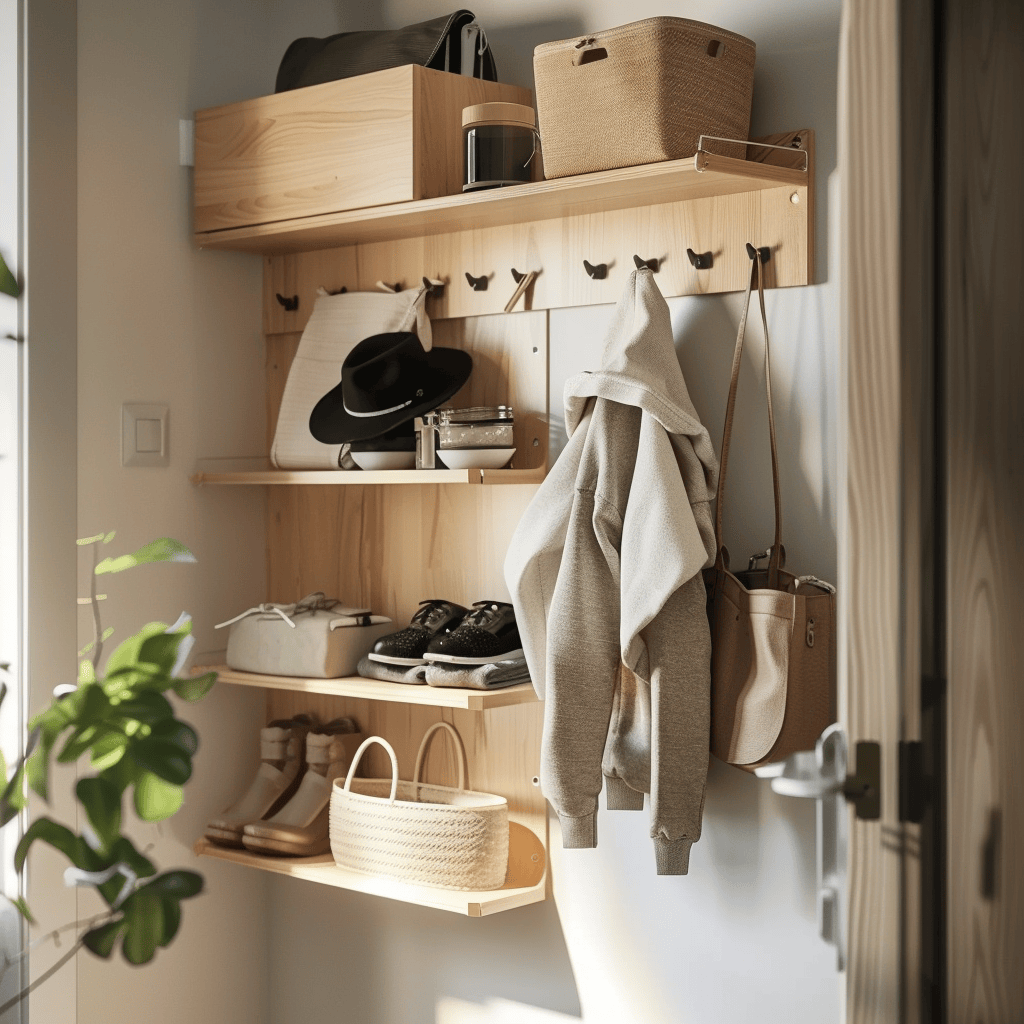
pixel 406 647
pixel 488 633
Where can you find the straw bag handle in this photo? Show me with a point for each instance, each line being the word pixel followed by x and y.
pixel 460 752
pixel 776 553
pixel 358 757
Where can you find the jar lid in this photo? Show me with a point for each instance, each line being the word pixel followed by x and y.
pixel 518 114
pixel 476 413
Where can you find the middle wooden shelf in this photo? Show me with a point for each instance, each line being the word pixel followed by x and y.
pixel 379 689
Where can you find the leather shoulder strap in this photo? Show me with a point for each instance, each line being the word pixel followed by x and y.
pixel 775 561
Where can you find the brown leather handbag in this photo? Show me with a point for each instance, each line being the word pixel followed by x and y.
pixel 773 649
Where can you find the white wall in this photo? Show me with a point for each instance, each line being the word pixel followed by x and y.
pixel 737 937
pixel 161 322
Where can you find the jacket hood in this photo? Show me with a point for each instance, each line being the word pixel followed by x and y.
pixel 639 368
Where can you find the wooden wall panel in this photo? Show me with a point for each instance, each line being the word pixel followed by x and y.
pixel 984 421
pixel 870 513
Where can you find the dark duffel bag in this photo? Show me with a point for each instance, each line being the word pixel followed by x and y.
pixel 439 43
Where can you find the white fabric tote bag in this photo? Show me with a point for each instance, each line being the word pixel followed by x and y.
pixel 336 325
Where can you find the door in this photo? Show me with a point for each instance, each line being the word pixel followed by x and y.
pixel 931 647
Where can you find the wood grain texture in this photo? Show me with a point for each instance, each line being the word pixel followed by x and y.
pixel 870 657
pixel 386 137
pixel 984 309
pixel 630 188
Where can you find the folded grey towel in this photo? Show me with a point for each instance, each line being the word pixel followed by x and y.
pixel 391 673
pixel 494 676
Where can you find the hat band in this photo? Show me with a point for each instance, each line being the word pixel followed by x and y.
pixel 378 412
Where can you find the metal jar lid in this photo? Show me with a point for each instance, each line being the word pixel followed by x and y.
pixel 477 414
pixel 517 114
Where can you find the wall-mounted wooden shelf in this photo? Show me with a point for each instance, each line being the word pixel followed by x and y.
pixel 472 904
pixel 259 472
pixel 670 181
pixel 378 689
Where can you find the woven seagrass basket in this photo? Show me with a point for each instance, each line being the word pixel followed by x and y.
pixel 641 93
pixel 419 833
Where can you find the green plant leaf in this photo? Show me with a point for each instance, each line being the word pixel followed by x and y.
pixel 108 750
pixel 161 651
pixel 100 940
pixel 102 802
pixel 60 838
pixel 172 921
pixel 110 536
pixel 83 542
pixel 163 758
pixel 156 799
pixel 8 283
pixel 177 732
pixel 178 885
pixel 147 706
pixel 21 905
pixel 126 852
pixel 87 648
pixel 124 668
pixel 194 688
pixel 144 925
pixel 164 549
pixel 86 672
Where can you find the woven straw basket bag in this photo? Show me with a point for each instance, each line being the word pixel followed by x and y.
pixel 641 93
pixel 419 833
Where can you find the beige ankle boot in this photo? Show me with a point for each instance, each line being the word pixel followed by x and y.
pixel 300 827
pixel 282 745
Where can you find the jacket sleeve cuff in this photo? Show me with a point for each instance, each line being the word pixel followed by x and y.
pixel 672 855
pixel 620 796
pixel 579 833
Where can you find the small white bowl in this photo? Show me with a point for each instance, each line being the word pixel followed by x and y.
pixel 475 458
pixel 384 460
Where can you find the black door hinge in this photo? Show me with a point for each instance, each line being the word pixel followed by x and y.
pixel 913 795
pixel 864 787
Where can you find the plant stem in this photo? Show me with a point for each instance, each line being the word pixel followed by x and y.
pixel 14 1000
pixel 97 626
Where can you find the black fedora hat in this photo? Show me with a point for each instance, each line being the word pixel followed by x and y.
pixel 386 380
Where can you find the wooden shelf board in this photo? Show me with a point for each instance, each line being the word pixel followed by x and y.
pixel 323 870
pixel 378 689
pixel 258 472
pixel 670 181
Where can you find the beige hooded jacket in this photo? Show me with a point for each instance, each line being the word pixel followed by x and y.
pixel 605 574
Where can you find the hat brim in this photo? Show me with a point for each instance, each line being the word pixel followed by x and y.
pixel 447 370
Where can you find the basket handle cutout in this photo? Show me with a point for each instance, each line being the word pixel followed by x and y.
pixel 460 753
pixel 716 48
pixel 358 757
pixel 589 56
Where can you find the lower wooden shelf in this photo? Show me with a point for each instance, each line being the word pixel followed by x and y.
pixel 323 870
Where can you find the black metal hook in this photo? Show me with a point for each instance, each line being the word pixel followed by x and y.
pixel 290 305
pixel 435 291
pixel 764 252
pixel 598 273
pixel 478 284
pixel 649 264
pixel 516 276
pixel 340 291
pixel 396 287
pixel 700 260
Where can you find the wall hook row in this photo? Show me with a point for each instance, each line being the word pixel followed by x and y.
pixel 478 284
pixel 290 303
pixel 598 272
pixel 517 277
pixel 435 289
pixel 764 252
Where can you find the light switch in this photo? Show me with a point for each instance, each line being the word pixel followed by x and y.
pixel 144 434
pixel 148 436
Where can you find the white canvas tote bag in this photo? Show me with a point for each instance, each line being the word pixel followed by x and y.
pixel 336 325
